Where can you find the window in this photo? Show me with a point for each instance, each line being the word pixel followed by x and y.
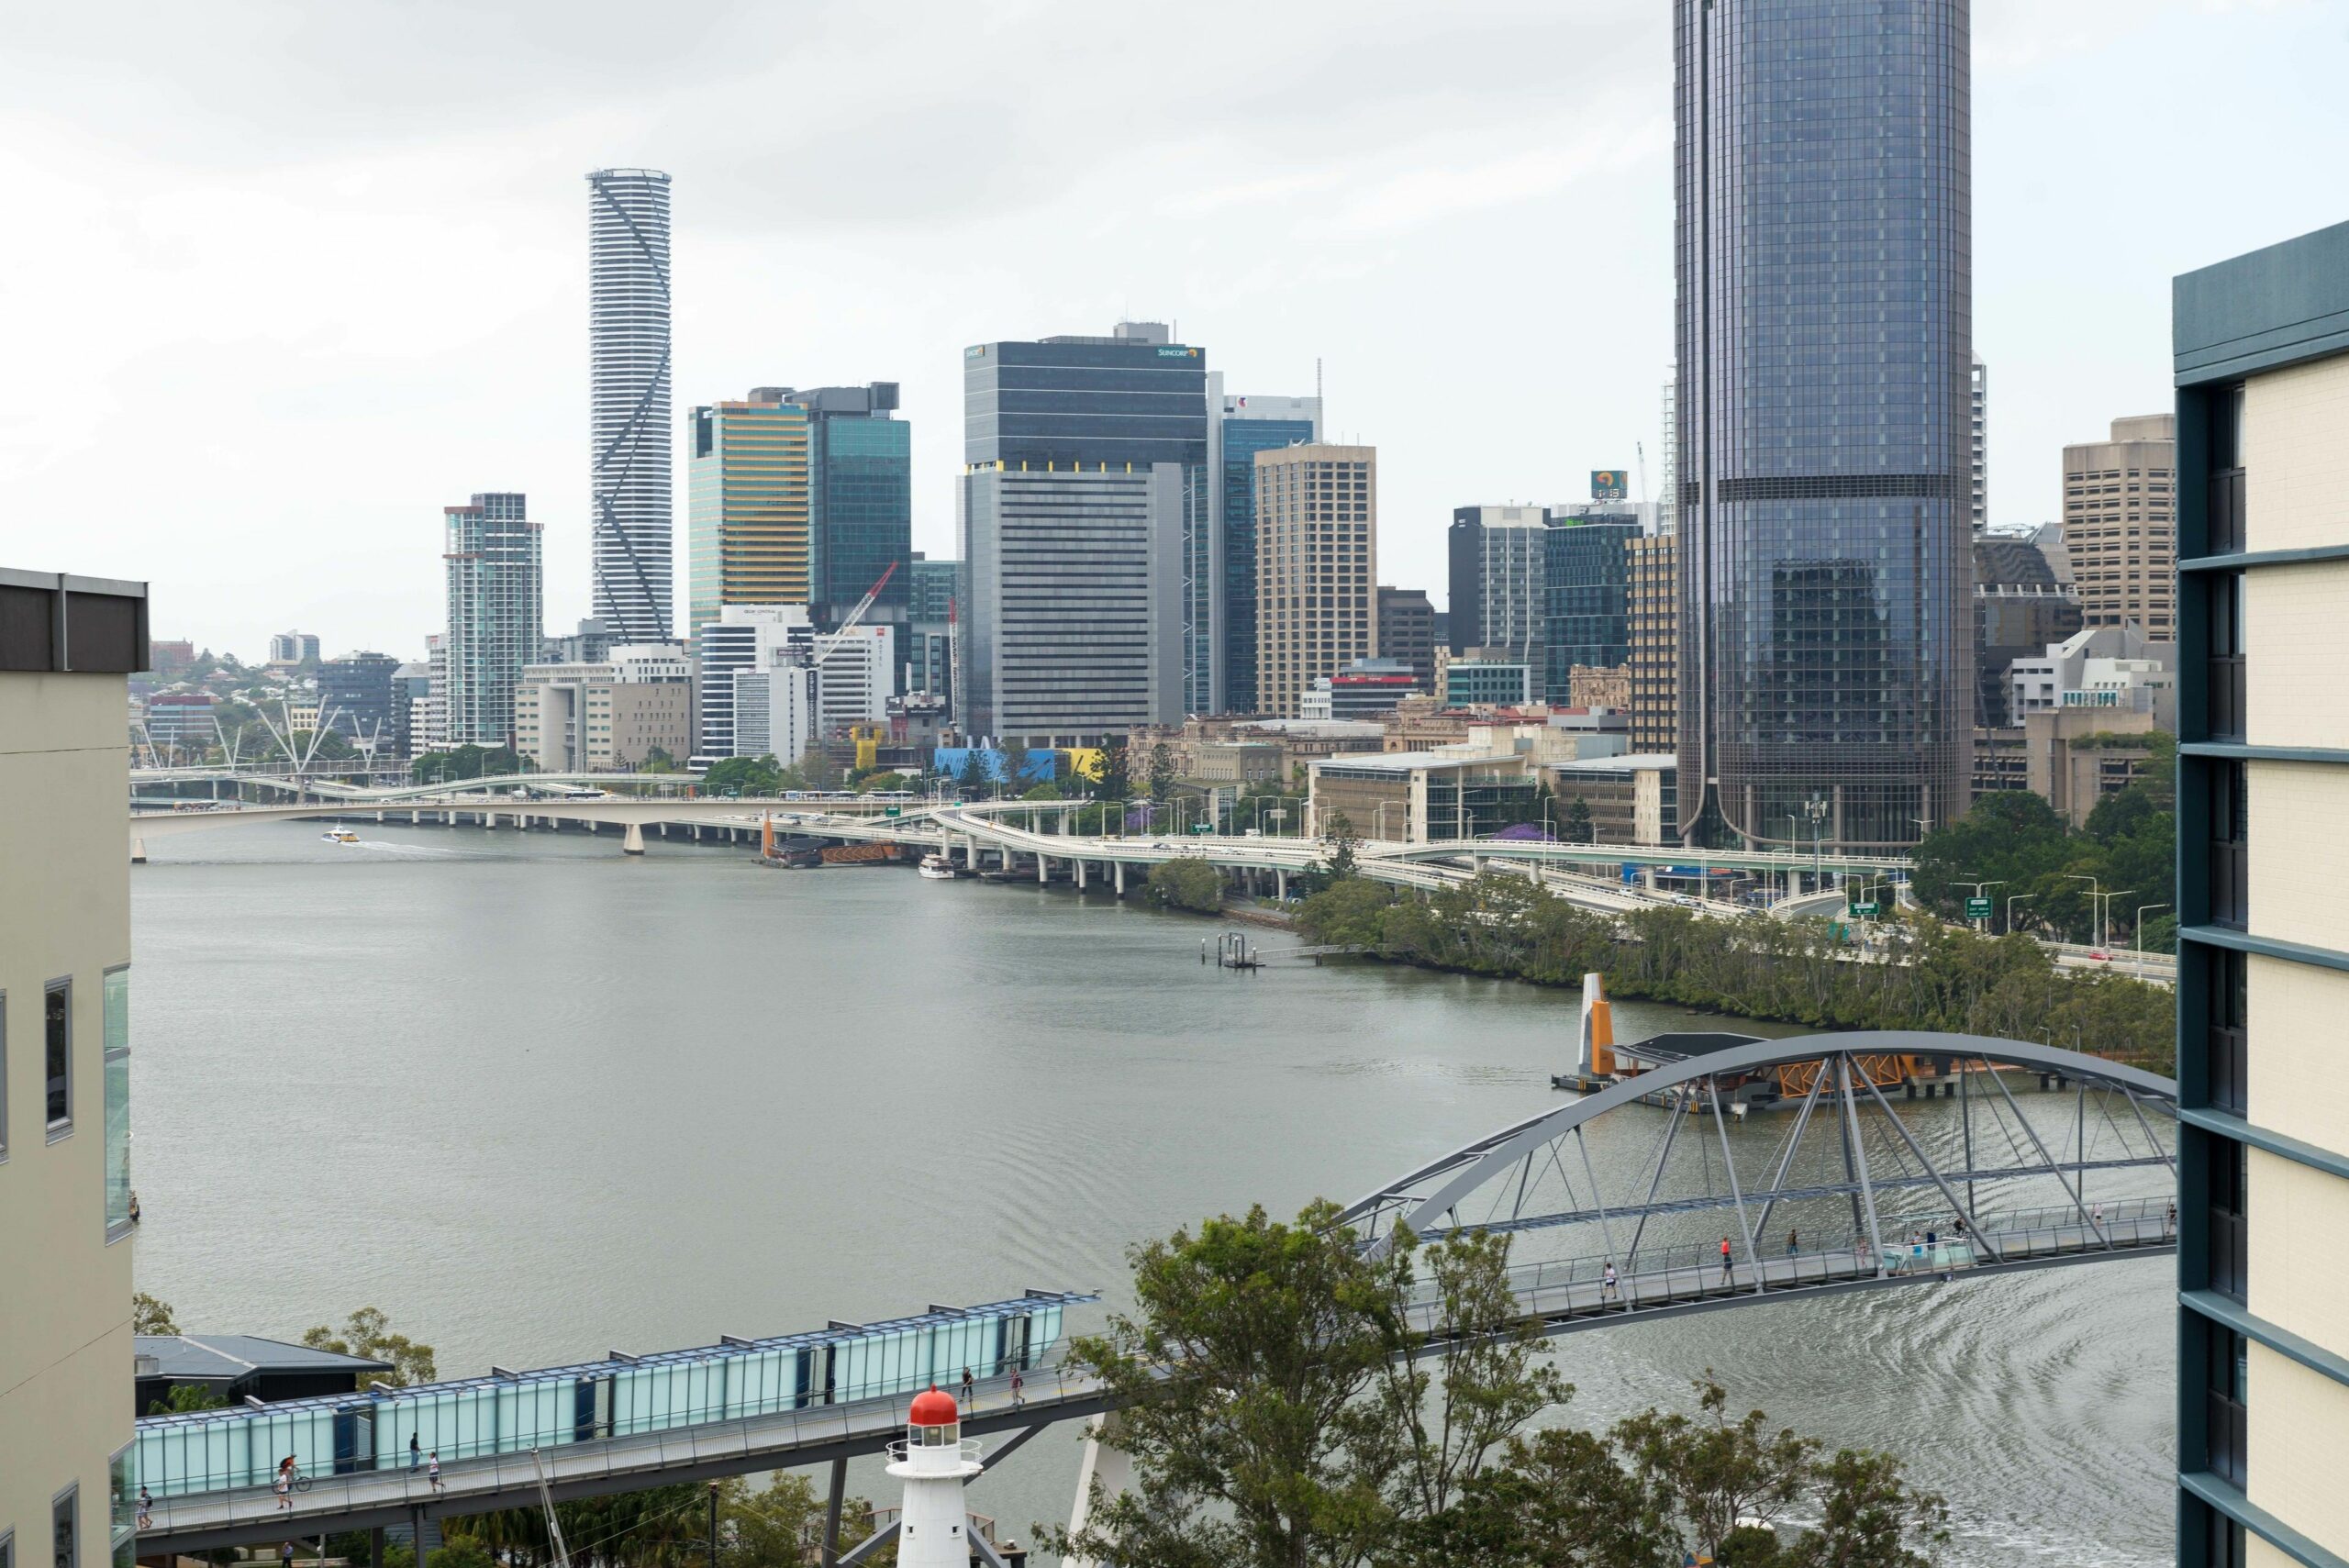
pixel 116 1029
pixel 61 1527
pixel 57 1035
pixel 2230 1237
pixel 2226 1374
pixel 2229 998
pixel 2229 828
pixel 2223 619
pixel 2228 1549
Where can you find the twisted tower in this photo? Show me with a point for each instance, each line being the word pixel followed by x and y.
pixel 627 352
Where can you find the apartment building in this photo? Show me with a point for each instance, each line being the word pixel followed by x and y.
pixel 2120 526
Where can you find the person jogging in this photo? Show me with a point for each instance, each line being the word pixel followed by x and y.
pixel 432 1469
pixel 284 1485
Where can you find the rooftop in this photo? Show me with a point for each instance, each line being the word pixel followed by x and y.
pixel 224 1357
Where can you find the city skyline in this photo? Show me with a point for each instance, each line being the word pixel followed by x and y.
pixel 817 279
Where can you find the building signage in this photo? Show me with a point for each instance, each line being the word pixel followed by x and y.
pixel 975 352
pixel 1178 354
pixel 1609 485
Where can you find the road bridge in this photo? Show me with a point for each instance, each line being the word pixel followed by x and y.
pixel 1842 1169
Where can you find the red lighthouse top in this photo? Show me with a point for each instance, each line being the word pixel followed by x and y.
pixel 933 1407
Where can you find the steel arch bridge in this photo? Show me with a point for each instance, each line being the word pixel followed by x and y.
pixel 1668 1193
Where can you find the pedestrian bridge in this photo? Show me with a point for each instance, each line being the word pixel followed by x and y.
pixel 1899 1160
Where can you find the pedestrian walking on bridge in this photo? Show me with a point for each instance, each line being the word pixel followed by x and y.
pixel 1726 1269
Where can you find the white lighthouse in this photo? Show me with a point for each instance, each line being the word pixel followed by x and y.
pixel 934 1461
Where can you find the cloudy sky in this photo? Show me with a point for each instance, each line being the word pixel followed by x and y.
pixel 281 280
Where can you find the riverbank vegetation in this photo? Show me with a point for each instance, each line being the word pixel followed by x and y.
pixel 1278 1417
pixel 1915 973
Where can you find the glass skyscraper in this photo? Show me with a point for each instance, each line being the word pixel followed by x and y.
pixel 496 600
pixel 861 506
pixel 1586 605
pixel 1239 428
pixel 1825 348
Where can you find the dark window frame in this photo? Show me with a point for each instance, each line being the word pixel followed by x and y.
pixel 65 1527
pixel 57 1087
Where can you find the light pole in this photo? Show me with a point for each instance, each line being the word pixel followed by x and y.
pixel 2093 885
pixel 1978 887
pixel 2137 931
pixel 2012 899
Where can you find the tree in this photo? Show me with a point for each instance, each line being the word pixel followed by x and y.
pixel 743 775
pixel 1346 914
pixel 186 1398
pixel 818 770
pixel 1338 832
pixel 1719 1474
pixel 1576 822
pixel 1162 772
pixel 1111 778
pixel 150 1315
pixel 1871 1518
pixel 1185 885
pixel 368 1333
pixel 884 782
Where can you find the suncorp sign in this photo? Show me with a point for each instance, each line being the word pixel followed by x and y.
pixel 1178 354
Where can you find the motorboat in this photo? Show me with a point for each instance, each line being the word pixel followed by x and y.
pixel 340 836
pixel 936 868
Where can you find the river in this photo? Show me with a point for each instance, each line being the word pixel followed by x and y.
pixel 538 1101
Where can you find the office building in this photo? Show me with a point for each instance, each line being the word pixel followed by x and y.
pixel 1825 351
pixel 1651 602
pixel 1586 611
pixel 932 589
pixel 1317 567
pixel 1499 576
pixel 855 677
pixel 429 728
pixel 2120 528
pixel 627 394
pixel 611 715
pixel 290 648
pixel 1238 428
pixel 411 699
pixel 1365 689
pixel 1084 521
pixel 860 502
pixel 357 700
pixel 590 644
pixel 67 645
pixel 1416 798
pixel 2070 757
pixel 2110 667
pixel 496 615
pixel 1629 796
pixel 777 711
pixel 183 720
pixel 1667 494
pixel 2021 609
pixel 743 639
pixel 1472 681
pixel 1407 632
pixel 1981 405
pixel 747 484
pixel 2262 360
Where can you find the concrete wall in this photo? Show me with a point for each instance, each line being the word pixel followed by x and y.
pixel 2296 644
pixel 2299 861
pixel 65 1373
pixel 2298 1270
pixel 2294 1471
pixel 2299 1007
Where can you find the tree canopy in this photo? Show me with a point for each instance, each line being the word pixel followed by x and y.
pixel 367 1332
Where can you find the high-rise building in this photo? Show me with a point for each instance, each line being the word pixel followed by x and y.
pixel 1084 522
pixel 932 591
pixel 627 394
pixel 1824 343
pixel 743 639
pixel 1317 567
pixel 68 1491
pixel 428 728
pixel 859 502
pixel 1586 611
pixel 1407 631
pixel 1652 598
pixel 746 505
pixel 2120 526
pixel 1667 494
pixel 2019 609
pixel 1499 582
pixel 1981 446
pixel 356 698
pixel 1238 428
pixel 496 615
pixel 288 648
pixel 2262 360
pixel 411 707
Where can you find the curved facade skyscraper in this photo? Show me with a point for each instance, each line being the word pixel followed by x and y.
pixel 1825 340
pixel 628 374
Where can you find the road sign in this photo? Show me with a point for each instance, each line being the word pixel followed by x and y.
pixel 1864 911
pixel 1202 827
pixel 1977 908
pixel 893 811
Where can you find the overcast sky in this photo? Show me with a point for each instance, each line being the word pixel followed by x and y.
pixel 284 280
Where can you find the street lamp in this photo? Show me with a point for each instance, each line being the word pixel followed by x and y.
pixel 2093 885
pixel 2137 929
pixel 1978 886
pixel 2012 899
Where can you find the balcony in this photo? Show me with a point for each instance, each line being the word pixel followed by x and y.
pixel 2223 530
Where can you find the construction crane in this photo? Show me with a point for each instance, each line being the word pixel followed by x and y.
pixel 1642 448
pixel 831 643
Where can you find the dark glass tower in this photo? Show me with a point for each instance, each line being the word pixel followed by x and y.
pixel 1825 340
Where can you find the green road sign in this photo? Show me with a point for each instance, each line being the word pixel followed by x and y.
pixel 1864 911
pixel 1202 827
pixel 893 811
pixel 1977 908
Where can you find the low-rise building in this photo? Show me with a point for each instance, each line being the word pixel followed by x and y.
pixel 1419 798
pixel 1599 685
pixel 182 718
pixel 611 715
pixel 1470 681
pixel 1631 798
pixel 2114 668
pixel 1363 688
pixel 2069 757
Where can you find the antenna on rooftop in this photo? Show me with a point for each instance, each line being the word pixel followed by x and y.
pixel 1320 404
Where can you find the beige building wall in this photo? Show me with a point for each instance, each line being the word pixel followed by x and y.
pixel 1317 567
pixel 2296 646
pixel 65 1372
pixel 2300 1007
pixel 2120 526
pixel 2296 466
pixel 645 714
pixel 2298 859
pixel 2294 1469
